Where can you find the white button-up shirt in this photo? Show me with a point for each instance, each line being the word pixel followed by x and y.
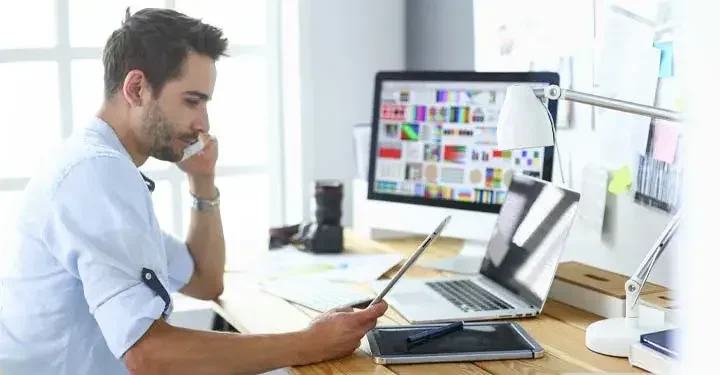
pixel 71 296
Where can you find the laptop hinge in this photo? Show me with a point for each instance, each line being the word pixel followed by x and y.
pixel 506 295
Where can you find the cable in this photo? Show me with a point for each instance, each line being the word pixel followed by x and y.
pixel 555 142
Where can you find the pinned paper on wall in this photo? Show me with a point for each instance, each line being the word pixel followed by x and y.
pixel 666 59
pixel 621 181
pixel 665 142
pixel 628 70
pixel 591 210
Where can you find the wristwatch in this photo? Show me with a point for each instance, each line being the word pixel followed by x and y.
pixel 206 204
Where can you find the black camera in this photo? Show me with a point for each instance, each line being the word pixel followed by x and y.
pixel 325 234
pixel 328 202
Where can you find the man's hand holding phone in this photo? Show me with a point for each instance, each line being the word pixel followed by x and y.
pixel 200 167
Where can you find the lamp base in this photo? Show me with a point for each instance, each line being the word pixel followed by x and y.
pixel 615 336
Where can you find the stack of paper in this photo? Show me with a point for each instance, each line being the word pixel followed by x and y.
pixel 645 358
pixel 289 262
pixel 656 352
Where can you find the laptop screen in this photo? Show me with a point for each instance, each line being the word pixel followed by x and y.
pixel 529 235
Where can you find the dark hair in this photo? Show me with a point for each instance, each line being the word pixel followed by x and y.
pixel 157 42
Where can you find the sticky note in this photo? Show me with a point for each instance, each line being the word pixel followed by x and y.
pixel 666 59
pixel 621 181
pixel 665 141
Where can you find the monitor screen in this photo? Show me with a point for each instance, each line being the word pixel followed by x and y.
pixel 529 235
pixel 435 140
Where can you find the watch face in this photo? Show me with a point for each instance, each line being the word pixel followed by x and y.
pixel 204 204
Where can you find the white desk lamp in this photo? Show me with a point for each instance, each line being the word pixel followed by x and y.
pixel 525 122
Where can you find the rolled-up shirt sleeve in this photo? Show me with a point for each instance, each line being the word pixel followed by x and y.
pixel 180 262
pixel 99 229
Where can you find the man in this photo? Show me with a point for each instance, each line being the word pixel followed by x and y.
pixel 86 287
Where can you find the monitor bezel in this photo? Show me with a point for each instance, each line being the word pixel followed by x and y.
pixel 551 78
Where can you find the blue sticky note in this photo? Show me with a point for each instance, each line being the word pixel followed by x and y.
pixel 666 59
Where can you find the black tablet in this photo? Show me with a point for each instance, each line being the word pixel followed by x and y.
pixel 477 341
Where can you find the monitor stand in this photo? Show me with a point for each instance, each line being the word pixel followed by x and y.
pixel 468 261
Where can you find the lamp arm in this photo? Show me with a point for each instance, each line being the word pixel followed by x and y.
pixel 554 92
pixel 635 284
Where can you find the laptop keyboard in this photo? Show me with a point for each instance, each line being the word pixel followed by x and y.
pixel 467 295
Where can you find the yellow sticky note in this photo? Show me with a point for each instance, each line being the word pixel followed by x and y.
pixel 621 181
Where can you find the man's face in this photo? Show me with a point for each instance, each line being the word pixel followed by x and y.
pixel 174 120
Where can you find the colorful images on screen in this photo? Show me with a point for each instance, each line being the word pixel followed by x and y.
pixel 489 196
pixel 390 151
pixel 418 113
pixel 464 194
pixel 413 171
pixel 410 132
pixel 452 175
pixel 441 143
pixel 529 159
pixel 485 135
pixel 458 132
pixel 391 131
pixel 455 96
pixel 455 154
pixel 431 152
pixel 493 178
pixel 393 112
pixel 386 186
pixel 478 115
pixel 433 191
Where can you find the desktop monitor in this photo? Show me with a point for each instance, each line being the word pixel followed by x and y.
pixel 434 149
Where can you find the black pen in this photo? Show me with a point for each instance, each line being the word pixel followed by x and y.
pixel 434 333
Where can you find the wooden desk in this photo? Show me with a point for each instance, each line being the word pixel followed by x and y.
pixel 560 329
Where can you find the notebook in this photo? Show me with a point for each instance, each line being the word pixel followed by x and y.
pixel 664 342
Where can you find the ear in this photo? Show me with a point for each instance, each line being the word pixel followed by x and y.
pixel 133 87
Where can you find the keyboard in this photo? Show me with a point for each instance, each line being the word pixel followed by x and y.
pixel 467 295
pixel 319 295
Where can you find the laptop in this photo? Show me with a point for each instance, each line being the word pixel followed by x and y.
pixel 517 269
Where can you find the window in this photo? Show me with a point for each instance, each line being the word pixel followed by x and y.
pixel 62 59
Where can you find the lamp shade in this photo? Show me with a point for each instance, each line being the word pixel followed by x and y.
pixel 524 121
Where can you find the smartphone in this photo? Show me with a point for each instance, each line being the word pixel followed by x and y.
pixel 192 149
pixel 476 341
pixel 414 257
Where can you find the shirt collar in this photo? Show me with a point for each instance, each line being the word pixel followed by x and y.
pixel 104 130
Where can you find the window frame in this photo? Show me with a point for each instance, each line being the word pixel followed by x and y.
pixel 63 53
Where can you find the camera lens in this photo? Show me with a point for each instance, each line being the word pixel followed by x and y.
pixel 328 199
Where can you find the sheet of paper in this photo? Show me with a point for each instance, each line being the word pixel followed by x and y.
pixel 591 210
pixel 618 35
pixel 668 92
pixel 665 141
pixel 289 262
pixel 621 181
pixel 628 70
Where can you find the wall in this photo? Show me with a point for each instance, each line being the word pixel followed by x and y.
pixel 342 44
pixel 440 35
pixel 629 229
